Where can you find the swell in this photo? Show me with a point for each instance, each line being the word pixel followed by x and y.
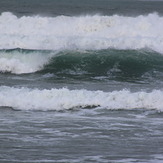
pixel 63 99
pixel 110 63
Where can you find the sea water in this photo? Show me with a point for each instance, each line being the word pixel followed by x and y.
pixel 81 81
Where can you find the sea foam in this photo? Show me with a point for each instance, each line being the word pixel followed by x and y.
pixel 19 62
pixel 63 99
pixel 81 32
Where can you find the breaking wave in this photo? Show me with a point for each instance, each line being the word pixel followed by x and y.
pixel 83 32
pixel 19 61
pixel 63 99
pixel 108 62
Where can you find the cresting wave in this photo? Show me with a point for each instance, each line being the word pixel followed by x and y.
pixel 101 62
pixel 83 32
pixel 20 61
pixel 62 99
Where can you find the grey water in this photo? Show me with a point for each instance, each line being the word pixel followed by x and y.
pixel 84 134
pixel 81 136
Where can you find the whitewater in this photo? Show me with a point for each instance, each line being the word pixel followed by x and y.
pixel 63 99
pixel 87 32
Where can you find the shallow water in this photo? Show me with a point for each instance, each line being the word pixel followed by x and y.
pixel 89 135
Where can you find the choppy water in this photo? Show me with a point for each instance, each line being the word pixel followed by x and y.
pixel 81 81
pixel 90 135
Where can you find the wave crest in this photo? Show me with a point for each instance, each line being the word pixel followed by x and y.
pixel 62 99
pixel 122 63
pixel 82 32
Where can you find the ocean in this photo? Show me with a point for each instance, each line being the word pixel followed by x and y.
pixel 81 81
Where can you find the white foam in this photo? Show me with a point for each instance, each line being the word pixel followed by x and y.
pixel 62 99
pixel 19 62
pixel 84 32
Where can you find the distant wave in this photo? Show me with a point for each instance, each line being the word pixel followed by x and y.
pixel 63 99
pixel 82 33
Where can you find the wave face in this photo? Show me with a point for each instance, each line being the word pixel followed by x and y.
pixel 83 32
pixel 63 99
pixel 110 63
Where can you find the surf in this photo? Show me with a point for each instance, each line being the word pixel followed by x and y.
pixel 22 61
pixel 89 32
pixel 109 63
pixel 65 99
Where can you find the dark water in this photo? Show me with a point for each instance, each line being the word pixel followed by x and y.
pixel 81 81
pixel 77 7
